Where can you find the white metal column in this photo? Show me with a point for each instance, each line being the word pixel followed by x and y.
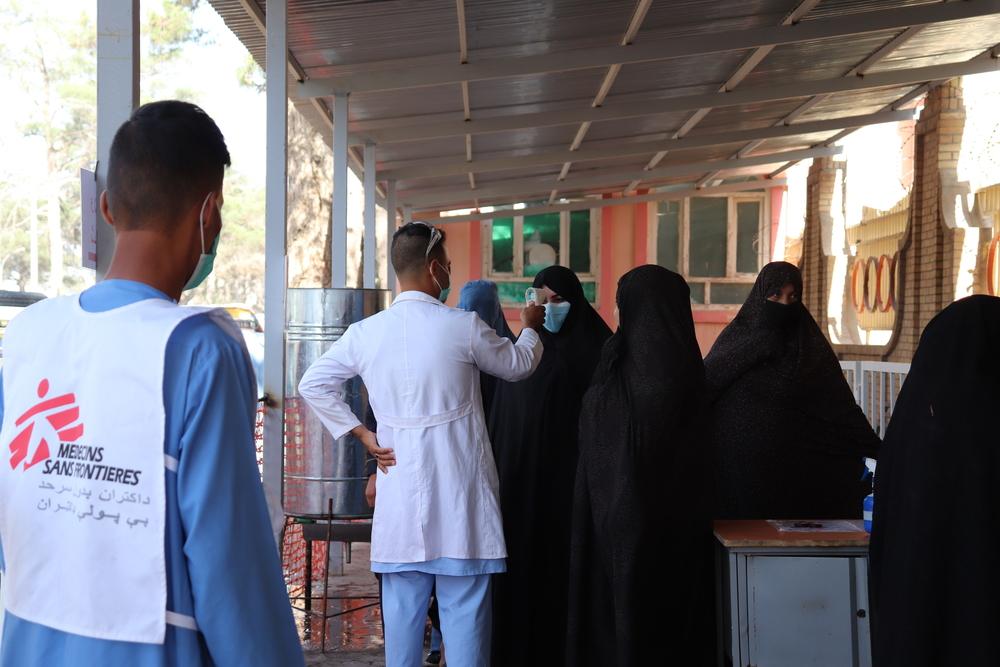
pixel 390 229
pixel 117 95
pixel 275 266
pixel 370 245
pixel 338 236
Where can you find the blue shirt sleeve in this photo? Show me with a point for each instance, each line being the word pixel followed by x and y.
pixel 240 600
pixel 3 567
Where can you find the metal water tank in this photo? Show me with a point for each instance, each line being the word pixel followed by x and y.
pixel 317 467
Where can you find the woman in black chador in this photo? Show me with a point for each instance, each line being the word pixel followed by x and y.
pixel 533 426
pixel 935 549
pixel 788 436
pixel 640 588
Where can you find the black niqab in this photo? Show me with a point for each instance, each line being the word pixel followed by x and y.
pixel 788 436
pixel 935 585
pixel 533 427
pixel 640 586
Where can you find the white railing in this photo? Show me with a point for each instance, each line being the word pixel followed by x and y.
pixel 876 386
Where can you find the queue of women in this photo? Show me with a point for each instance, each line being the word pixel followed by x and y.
pixel 616 455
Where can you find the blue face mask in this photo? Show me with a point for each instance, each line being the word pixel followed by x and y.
pixel 555 315
pixel 206 262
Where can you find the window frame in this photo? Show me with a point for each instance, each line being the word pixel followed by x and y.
pixel 517 274
pixel 732 227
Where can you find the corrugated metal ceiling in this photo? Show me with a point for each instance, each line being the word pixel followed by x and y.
pixel 334 37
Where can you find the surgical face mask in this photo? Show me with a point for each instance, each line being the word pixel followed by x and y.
pixel 443 291
pixel 206 262
pixel 555 315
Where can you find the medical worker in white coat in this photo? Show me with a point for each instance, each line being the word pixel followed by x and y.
pixel 437 521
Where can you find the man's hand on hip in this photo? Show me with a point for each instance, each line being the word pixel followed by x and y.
pixel 385 457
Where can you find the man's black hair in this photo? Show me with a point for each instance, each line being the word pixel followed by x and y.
pixel 409 248
pixel 164 159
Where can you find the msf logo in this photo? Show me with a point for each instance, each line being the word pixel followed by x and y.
pixel 46 424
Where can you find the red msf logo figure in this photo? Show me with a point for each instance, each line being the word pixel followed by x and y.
pixel 47 423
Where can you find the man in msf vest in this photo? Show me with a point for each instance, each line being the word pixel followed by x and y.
pixel 133 525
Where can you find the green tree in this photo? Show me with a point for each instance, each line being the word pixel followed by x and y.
pixel 49 58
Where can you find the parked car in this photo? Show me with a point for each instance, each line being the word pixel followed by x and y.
pixel 253 334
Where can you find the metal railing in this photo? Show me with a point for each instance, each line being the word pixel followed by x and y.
pixel 876 386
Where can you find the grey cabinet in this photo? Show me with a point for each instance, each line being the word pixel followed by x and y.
pixel 798 600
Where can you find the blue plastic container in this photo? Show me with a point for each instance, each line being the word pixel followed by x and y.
pixel 869 511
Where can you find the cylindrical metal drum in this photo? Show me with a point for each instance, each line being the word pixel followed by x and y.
pixel 317 467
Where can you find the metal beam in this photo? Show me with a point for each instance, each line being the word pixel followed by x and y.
pixel 256 14
pixel 635 22
pixel 737 77
pixel 753 95
pixel 380 77
pixel 275 254
pixel 338 228
pixel 901 102
pixel 117 96
pixel 520 189
pixel 436 167
pixel 370 243
pixel 584 204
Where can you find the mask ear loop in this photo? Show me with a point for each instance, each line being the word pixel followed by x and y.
pixel 201 221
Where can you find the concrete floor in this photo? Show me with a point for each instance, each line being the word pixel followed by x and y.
pixel 354 639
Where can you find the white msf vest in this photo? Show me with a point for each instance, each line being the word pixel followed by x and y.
pixel 82 489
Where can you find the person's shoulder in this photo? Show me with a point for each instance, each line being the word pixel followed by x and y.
pixel 207 334
pixel 458 318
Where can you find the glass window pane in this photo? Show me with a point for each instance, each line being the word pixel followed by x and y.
pixel 503 245
pixel 668 226
pixel 697 292
pixel 541 242
pixel 579 241
pixel 707 251
pixel 730 293
pixel 512 293
pixel 747 236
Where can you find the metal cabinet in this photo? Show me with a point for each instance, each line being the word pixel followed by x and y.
pixel 797 600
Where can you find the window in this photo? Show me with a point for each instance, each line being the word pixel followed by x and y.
pixel 515 249
pixel 717 243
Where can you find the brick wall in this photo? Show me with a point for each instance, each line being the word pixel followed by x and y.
pixel 932 248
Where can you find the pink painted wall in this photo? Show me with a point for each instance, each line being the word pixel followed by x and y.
pixel 624 243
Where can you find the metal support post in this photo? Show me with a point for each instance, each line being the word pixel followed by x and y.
pixel 338 236
pixel 370 245
pixel 117 95
pixel 390 223
pixel 275 266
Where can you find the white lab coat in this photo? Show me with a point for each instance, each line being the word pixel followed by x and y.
pixel 420 362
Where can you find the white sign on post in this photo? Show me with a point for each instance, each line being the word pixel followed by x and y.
pixel 88 217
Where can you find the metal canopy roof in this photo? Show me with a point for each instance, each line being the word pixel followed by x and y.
pixel 476 102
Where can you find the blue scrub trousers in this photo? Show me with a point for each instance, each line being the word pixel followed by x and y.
pixel 466 608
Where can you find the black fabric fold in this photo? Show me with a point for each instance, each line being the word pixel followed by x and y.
pixel 641 562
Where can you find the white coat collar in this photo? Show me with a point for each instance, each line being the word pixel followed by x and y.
pixel 414 295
